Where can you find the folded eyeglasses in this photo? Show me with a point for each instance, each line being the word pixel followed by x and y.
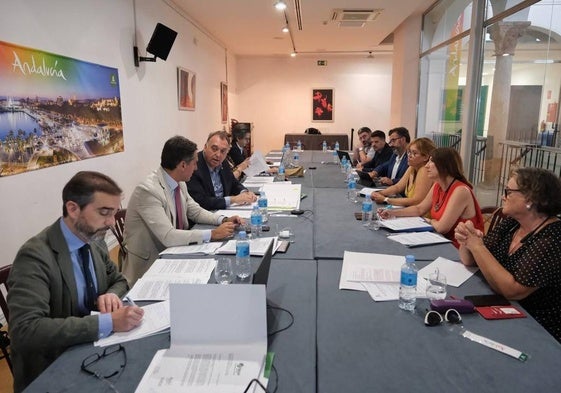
pixel 90 363
pixel 434 318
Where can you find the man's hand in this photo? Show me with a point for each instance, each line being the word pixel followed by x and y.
pixel 108 302
pixel 226 229
pixel 126 318
pixel 244 198
pixel 237 220
pixel 386 181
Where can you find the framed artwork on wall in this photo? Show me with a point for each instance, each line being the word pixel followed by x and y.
pixel 224 101
pixel 186 83
pixel 322 105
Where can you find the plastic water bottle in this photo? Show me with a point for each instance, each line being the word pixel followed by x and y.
pixel 295 158
pixel 243 262
pixel 263 203
pixel 408 284
pixel 287 146
pixel 335 157
pixel 367 211
pixel 256 221
pixel 344 164
pixel 280 174
pixel 324 146
pixel 299 145
pixel 337 145
pixel 351 188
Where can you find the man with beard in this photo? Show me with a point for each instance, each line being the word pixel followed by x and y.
pixel 62 274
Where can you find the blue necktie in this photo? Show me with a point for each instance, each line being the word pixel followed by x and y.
pixel 91 294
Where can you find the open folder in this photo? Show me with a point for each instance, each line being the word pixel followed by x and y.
pixel 218 341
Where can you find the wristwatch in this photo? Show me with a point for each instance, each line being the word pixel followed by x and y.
pixel 386 199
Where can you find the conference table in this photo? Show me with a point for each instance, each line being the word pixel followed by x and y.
pixel 342 340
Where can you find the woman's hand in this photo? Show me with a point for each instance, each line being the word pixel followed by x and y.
pixel 376 196
pixel 467 235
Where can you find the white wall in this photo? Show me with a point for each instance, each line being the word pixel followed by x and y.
pixel 275 93
pixel 102 31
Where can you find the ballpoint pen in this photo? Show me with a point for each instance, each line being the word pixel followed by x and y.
pixel 129 300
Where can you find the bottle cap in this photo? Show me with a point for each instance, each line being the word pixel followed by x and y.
pixel 410 258
pixel 242 235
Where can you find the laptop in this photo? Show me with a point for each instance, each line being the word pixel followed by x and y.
pixel 261 276
pixel 365 179
pixel 345 154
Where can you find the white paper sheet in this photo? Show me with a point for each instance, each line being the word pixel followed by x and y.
pixel 414 239
pixel 207 354
pixel 257 247
pixel 257 165
pixel 368 190
pixel 406 224
pixel 194 249
pixel 282 196
pixel 156 319
pixel 355 264
pixel 390 291
pixel 243 213
pixel 456 273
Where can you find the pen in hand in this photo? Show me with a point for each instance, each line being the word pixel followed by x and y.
pixel 129 300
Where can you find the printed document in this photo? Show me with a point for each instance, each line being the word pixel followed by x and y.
pixel 216 346
pixel 193 249
pixel 154 284
pixel 156 319
pixel 257 164
pixel 257 246
pixel 281 196
pixel 406 224
pixel 416 239
pixel 365 267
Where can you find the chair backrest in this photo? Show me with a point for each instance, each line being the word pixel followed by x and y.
pixel 4 273
pixel 119 228
pixel 497 216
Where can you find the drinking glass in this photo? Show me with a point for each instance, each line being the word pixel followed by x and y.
pixel 286 234
pixel 436 288
pixel 375 223
pixel 224 272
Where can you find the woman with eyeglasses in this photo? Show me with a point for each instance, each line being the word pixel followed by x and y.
pixel 521 257
pixel 415 183
pixel 450 200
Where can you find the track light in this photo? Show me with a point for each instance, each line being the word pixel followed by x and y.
pixel 285 29
pixel 293 54
pixel 280 5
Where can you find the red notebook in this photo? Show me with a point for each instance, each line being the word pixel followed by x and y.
pixel 500 312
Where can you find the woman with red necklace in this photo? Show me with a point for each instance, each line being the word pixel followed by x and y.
pixel 450 200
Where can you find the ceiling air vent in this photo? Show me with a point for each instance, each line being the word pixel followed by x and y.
pixel 354 17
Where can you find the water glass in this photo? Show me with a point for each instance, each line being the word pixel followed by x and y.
pixel 436 288
pixel 224 272
pixel 375 223
pixel 286 234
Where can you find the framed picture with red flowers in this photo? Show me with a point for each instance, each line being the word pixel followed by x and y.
pixel 322 105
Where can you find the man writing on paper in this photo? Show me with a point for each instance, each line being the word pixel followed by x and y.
pixel 59 276
pixel 160 207
pixel 213 186
pixel 391 171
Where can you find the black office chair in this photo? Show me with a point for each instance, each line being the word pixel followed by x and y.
pixel 4 338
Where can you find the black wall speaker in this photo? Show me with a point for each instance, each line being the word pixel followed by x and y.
pixel 161 42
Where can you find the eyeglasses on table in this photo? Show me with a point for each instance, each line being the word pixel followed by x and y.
pixel 434 318
pixel 103 365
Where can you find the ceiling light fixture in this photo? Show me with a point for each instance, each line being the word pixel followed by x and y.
pixel 293 54
pixel 285 29
pixel 280 5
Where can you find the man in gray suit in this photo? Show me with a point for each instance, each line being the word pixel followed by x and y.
pixel 160 208
pixel 59 276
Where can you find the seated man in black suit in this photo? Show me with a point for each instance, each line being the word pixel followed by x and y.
pixel 213 184
pixel 392 170
pixel 382 152
pixel 236 156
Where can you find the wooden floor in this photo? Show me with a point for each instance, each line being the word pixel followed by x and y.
pixel 5 378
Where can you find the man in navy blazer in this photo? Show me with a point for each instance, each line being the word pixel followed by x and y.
pixel 213 185
pixel 391 171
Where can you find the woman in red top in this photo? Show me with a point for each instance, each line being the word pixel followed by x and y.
pixel 450 200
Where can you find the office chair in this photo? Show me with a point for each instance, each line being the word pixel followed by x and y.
pixel 4 338
pixel 119 231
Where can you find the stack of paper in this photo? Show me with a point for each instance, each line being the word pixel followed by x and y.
pixel 154 284
pixel 217 345
pixel 283 196
pixel 156 319
pixel 194 249
pixel 406 224
pixel 419 239
pixel 257 246
pixel 378 274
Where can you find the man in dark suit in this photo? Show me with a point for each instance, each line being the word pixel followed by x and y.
pixel 382 152
pixel 392 170
pixel 59 276
pixel 213 185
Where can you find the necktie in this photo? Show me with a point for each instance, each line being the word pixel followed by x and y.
pixel 91 294
pixel 178 208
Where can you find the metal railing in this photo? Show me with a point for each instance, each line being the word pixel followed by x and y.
pixel 455 141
